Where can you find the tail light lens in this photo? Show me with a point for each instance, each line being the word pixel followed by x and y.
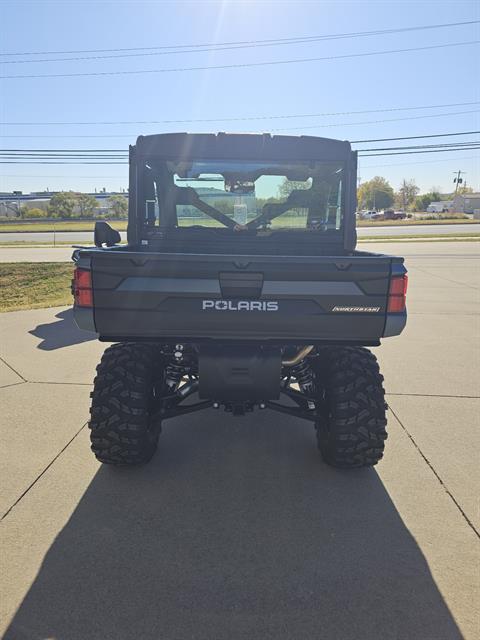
pixel 82 287
pixel 397 294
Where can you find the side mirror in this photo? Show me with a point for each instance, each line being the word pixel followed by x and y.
pixel 105 234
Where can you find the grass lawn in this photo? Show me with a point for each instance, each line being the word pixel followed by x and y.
pixel 31 285
pixel 63 225
pixel 443 238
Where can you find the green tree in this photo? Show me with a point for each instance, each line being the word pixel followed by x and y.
pixel 376 193
pixel 421 202
pixel 287 186
pixel 86 204
pixel 407 193
pixel 118 205
pixel 62 204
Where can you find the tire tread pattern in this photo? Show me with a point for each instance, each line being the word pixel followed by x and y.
pixel 354 433
pixel 121 432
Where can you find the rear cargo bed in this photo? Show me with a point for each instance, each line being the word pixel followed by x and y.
pixel 305 299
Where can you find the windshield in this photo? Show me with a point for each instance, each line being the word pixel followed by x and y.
pixel 241 195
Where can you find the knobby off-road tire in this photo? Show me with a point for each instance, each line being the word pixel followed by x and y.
pixel 353 432
pixel 122 431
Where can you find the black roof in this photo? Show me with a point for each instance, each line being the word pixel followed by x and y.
pixel 249 146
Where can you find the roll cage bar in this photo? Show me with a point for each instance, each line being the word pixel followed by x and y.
pixel 185 147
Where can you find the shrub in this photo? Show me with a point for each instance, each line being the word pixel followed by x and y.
pixel 33 213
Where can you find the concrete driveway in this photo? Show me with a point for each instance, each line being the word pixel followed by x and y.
pixel 236 529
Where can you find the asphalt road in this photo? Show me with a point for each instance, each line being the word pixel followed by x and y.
pixel 236 530
pixel 79 237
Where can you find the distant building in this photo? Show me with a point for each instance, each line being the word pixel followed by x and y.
pixel 10 203
pixel 443 206
pixel 466 202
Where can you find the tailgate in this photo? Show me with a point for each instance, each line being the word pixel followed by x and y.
pixel 299 299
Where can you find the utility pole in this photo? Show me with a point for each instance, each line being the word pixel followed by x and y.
pixel 458 180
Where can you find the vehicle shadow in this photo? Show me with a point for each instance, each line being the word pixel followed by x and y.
pixel 61 333
pixel 236 530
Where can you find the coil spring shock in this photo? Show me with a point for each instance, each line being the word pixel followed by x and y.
pixel 173 375
pixel 303 374
pixel 183 363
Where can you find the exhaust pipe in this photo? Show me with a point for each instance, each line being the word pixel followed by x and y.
pixel 301 354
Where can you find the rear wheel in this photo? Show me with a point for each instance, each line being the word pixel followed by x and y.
pixel 122 430
pixel 352 432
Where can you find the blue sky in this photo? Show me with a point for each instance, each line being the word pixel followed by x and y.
pixel 430 77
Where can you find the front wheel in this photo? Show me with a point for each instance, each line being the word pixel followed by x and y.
pixel 122 429
pixel 352 431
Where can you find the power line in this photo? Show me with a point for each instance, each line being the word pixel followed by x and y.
pixel 247 45
pixel 241 65
pixel 60 161
pixel 76 176
pixel 403 164
pixel 125 152
pixel 366 166
pixel 455 145
pixel 67 154
pixel 433 135
pixel 169 53
pixel 42 162
pixel 404 153
pixel 131 136
pixel 59 157
pixel 249 118
pixel 119 153
pixel 101 155
pixel 350 124
pixel 67 150
pixel 353 34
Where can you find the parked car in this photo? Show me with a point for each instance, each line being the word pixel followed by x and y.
pixel 367 215
pixel 390 214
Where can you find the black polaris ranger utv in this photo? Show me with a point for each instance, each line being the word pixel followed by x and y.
pixel 239 288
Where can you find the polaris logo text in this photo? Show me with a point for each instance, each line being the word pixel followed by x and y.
pixel 238 305
pixel 356 309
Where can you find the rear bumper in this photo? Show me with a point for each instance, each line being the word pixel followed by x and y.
pixel 134 329
pixel 84 318
pixel 395 324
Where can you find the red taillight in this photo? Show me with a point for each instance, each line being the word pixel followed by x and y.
pixel 84 297
pixel 82 287
pixel 83 278
pixel 397 294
